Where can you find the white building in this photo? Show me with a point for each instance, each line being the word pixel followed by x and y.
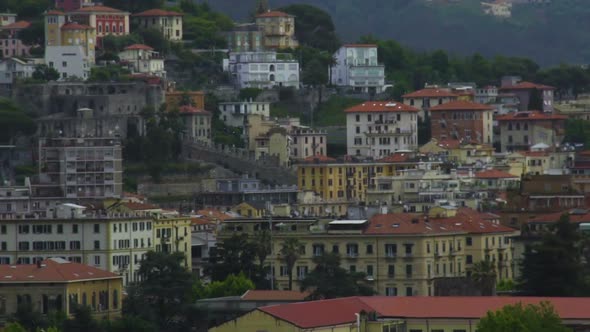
pixel 262 70
pixel 143 59
pixel 12 69
pixel 69 61
pixel 232 113
pixel 357 67
pixel 379 128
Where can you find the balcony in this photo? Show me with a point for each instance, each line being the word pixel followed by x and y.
pixel 391 255
pixel 352 255
pixel 408 255
pixel 390 132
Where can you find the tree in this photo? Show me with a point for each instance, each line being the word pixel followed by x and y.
pixel 483 274
pixel 232 256
pixel 554 266
pixel 154 38
pixel 14 121
pixel 129 323
pixel 520 318
pixel 82 321
pixel 328 280
pixel 45 73
pixel 34 34
pixel 314 27
pixel 14 327
pixel 290 252
pixel 233 285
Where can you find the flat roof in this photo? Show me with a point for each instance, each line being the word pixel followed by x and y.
pixel 347 222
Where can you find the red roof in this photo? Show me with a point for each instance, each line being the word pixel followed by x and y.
pixel 75 26
pixel 359 45
pixel 157 12
pixel 318 158
pixel 186 109
pixel 54 12
pixel 494 174
pixel 274 295
pixel 213 214
pixel 274 13
pixel 16 25
pixel 530 116
pixel 138 47
pixel 97 9
pixel 396 157
pixel 140 206
pixel 524 85
pixel 461 105
pixel 52 270
pixel 430 93
pixel 321 313
pixel 381 106
pixel 449 143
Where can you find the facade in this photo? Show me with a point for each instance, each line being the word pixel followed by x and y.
pixel 486 95
pixel 11 70
pixel 498 8
pixel 463 153
pixel 357 67
pixel 71 5
pixel 10 43
pixel 524 91
pixel 418 314
pixel 402 254
pixel 278 30
pixel 307 142
pixel 377 129
pixel 104 20
pixel 245 38
pixel 462 120
pixel 262 70
pixel 143 59
pixel 70 62
pixel 197 124
pixel 56 284
pixel 169 23
pixel 274 144
pixel 235 114
pixel 80 168
pixel 429 97
pixel 7 18
pixel 54 20
pixel 522 130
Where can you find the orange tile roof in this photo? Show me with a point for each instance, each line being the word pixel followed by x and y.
pixel 75 26
pixel 186 110
pixel 461 105
pixel 213 214
pixel 524 85
pixel 530 116
pixel 157 12
pixel 318 158
pixel 430 93
pixel 396 157
pixel 138 47
pixel 274 13
pixel 97 9
pixel 140 206
pixel 16 25
pixel 380 106
pixel 52 270
pixel 494 174
pixel 274 295
pixel 449 143
pixel 134 195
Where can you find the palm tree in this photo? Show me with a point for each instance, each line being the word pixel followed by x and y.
pixel 290 252
pixel 484 275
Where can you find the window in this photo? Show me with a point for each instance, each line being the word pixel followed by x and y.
pixel 318 249
pixel 74 245
pixel 3 229
pixel 358 118
pixel 96 260
pixel 23 229
pixel 369 270
pixel 302 272
pixel 469 259
pixel 96 228
pixel 369 249
pixel 3 246
pixel 391 271
pixel 409 291
pixel 60 229
pixel 96 244
pixel 358 129
pixel 390 250
pixel 390 291
pixel 335 249
pixel 352 250
pixel 469 241
pixel 23 245
pixel 283 271
pixel 352 268
pixel 75 228
pixel 408 271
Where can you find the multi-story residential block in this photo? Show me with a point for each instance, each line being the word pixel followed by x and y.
pixel 245 38
pixel 357 67
pixel 307 142
pixel 402 254
pixel 106 21
pixel 143 59
pixel 71 62
pixel 111 241
pixel 521 130
pixel 278 30
pixel 10 43
pixel 377 129
pixel 72 5
pixel 7 18
pixel 429 97
pixel 11 70
pixel 524 92
pixel 197 124
pixel 169 23
pixel 462 120
pixel 236 113
pixel 262 70
pixel 274 144
pixel 461 152
pixel 58 285
pixel 486 95
pixel 82 168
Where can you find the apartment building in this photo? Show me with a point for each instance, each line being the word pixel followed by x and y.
pixel 429 97
pixel 12 70
pixel 263 70
pixel 197 124
pixel 462 120
pixel 402 254
pixel 142 59
pixel 357 67
pixel 307 142
pixel 79 168
pixel 10 43
pixel 7 18
pixel 245 38
pixel 106 21
pixel 278 29
pixel 236 113
pixel 524 91
pixel 169 23
pixel 522 130
pixel 377 129
pixel 461 152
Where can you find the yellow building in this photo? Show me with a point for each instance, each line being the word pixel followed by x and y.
pixel 169 23
pixel 56 284
pixel 174 99
pixel 250 210
pixel 274 144
pixel 173 234
pixel 58 32
pixel 460 152
pixel 402 254
pixel 381 314
pixel 278 29
pixel 349 181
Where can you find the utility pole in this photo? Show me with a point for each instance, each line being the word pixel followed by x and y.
pixel 272 277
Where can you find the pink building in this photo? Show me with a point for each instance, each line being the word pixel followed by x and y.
pixel 10 43
pixel 105 20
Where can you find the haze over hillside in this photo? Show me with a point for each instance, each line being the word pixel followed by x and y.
pixel 550 34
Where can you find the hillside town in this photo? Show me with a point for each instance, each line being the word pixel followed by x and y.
pixel 262 183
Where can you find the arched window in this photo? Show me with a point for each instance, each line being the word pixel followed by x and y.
pixel 272 77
